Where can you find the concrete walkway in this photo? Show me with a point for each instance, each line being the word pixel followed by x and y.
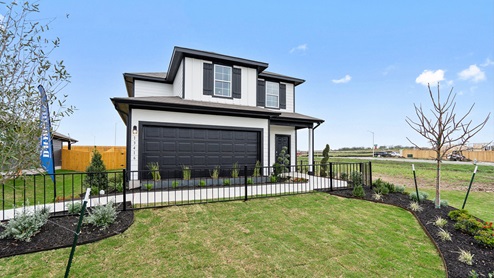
pixel 195 195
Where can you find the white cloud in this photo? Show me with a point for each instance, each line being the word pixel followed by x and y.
pixel 300 48
pixel 430 77
pixel 488 62
pixel 345 79
pixel 473 73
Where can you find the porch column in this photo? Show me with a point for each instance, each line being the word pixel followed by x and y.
pixel 310 154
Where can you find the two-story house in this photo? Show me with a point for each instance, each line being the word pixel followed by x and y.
pixel 210 110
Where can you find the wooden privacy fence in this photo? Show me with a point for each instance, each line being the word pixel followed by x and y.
pixel 484 156
pixel 78 158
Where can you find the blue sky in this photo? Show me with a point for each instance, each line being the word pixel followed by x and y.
pixel 363 61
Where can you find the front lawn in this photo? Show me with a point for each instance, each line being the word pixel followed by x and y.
pixel 310 235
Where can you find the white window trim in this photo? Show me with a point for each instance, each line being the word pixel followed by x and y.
pixel 224 81
pixel 278 86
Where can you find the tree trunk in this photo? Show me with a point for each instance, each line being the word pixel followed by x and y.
pixel 438 180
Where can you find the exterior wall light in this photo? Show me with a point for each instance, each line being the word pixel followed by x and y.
pixel 134 130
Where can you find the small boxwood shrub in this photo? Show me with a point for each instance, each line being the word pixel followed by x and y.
pixel 344 176
pixel 356 178
pixel 25 226
pixel 102 215
pixel 226 182
pixel 358 191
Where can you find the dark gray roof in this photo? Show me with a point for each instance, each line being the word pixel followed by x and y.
pixel 192 106
pixel 180 52
pixel 63 138
pixel 268 74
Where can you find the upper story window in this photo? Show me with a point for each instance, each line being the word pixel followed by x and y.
pixel 272 94
pixel 222 81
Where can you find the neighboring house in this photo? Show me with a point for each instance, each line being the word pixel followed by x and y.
pixel 58 140
pixel 210 109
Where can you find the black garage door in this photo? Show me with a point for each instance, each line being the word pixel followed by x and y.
pixel 199 148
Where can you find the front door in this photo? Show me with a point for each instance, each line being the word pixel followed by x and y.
pixel 281 141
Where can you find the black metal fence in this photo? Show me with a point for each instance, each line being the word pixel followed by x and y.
pixel 160 188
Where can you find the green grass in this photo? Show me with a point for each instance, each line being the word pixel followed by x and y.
pixel 310 235
pixel 479 204
pixel 39 188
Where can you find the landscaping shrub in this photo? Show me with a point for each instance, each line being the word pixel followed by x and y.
pixel 116 181
pixel 455 214
pixel 422 196
pixel 324 161
pixel 249 181
pixel 74 208
pixel 154 167
pixel 400 188
pixel 442 203
pixel 102 216
pixel 469 225
pixel 440 222
pixel 202 183
pixel 216 172
pixel 358 191
pixel 344 176
pixel 226 182
pixel 415 206
pixel 257 169
pixel 356 178
pixel 485 237
pixel 25 226
pixel 96 176
pixel 465 257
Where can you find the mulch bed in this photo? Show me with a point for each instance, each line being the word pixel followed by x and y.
pixel 483 260
pixel 58 232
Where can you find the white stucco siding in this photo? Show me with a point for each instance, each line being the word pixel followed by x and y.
pixel 283 130
pixel 194 84
pixel 150 89
pixel 178 81
pixel 139 115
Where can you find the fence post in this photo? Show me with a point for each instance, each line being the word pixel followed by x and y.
pixel 370 173
pixel 125 181
pixel 331 176
pixel 245 182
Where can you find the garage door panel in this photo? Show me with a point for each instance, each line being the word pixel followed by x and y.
pixel 185 147
pixel 151 146
pixel 198 148
pixel 168 146
pixel 226 147
pixel 152 132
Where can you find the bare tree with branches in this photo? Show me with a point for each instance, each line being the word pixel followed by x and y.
pixel 443 129
pixel 25 63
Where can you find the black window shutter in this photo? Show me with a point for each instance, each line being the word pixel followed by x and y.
pixel 282 96
pixel 261 93
pixel 237 83
pixel 208 79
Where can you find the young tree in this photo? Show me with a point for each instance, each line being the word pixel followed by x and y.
pixel 443 129
pixel 25 64
pixel 96 177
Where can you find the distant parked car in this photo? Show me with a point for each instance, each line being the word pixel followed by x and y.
pixel 395 154
pixel 456 156
pixel 382 154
